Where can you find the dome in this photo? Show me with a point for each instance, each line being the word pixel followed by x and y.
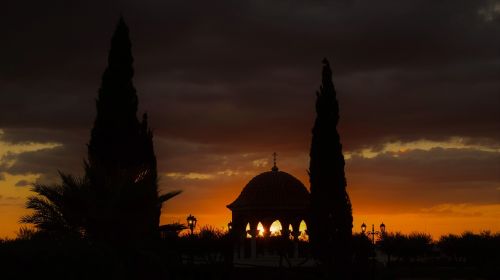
pixel 272 190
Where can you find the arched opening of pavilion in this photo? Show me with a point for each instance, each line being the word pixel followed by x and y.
pixel 273 204
pixel 276 228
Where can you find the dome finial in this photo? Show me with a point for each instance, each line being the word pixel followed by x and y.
pixel 275 168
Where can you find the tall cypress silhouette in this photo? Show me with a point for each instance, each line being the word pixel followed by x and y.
pixel 121 164
pixel 331 214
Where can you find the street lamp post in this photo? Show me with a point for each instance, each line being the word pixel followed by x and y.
pixel 373 232
pixel 191 220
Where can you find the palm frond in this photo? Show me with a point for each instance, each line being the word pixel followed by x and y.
pixel 57 207
pixel 46 216
pixel 174 227
pixel 164 197
pixel 51 193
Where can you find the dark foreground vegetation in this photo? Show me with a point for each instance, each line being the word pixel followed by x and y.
pixel 208 255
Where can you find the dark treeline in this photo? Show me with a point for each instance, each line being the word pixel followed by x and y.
pixel 465 249
pixel 207 254
pixel 394 255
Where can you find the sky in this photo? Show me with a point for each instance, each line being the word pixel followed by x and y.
pixel 227 83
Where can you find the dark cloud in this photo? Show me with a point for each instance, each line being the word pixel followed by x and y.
pixel 447 210
pixel 68 157
pixel 437 166
pixel 224 79
pixel 23 183
pixel 237 72
pixel 418 178
pixel 9 200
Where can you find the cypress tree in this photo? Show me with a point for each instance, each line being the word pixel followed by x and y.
pixel 121 165
pixel 331 214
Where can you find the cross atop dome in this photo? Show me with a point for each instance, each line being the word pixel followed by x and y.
pixel 275 168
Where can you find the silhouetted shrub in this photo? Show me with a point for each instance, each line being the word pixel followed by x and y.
pixel 406 247
pixel 209 246
pixel 470 248
pixel 363 250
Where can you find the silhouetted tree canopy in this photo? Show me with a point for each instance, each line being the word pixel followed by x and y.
pixel 470 248
pixel 331 215
pixel 121 161
pixel 404 247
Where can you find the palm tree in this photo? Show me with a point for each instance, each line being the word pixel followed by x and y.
pixel 58 208
pixel 77 208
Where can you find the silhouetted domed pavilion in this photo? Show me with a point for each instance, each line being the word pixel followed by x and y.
pixel 268 197
pixel 272 190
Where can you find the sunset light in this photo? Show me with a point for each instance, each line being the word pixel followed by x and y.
pixel 276 228
pixel 261 230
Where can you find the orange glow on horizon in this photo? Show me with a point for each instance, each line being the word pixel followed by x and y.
pixel 212 211
pixel 206 198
